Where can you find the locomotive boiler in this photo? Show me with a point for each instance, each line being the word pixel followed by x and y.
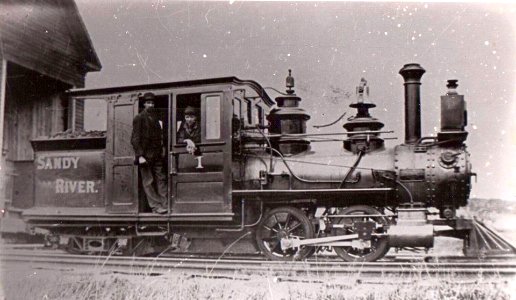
pixel 256 179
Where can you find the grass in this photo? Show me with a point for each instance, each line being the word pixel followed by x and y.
pixel 100 284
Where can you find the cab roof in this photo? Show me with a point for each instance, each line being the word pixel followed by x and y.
pixel 169 85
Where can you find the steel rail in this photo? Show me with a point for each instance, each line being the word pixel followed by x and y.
pixel 167 264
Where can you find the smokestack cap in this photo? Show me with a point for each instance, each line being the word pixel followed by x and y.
pixel 412 73
pixel 452 86
pixel 452 83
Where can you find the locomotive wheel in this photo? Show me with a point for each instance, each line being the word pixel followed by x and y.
pixel 379 245
pixel 284 222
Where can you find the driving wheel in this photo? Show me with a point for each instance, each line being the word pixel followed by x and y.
pixel 284 222
pixel 378 245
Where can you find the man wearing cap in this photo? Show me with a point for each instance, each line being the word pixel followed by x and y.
pixel 147 140
pixel 190 131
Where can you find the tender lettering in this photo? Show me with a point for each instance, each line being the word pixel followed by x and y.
pixel 75 186
pixel 61 163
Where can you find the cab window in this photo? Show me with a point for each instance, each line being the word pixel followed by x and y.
pixel 257 115
pixel 183 102
pixel 246 111
pixel 236 108
pixel 208 115
pixel 89 114
pixel 213 116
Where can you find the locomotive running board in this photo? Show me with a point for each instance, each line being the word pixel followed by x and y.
pixel 63 216
pixel 275 194
pixel 484 242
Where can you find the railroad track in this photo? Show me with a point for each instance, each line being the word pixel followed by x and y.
pixel 245 267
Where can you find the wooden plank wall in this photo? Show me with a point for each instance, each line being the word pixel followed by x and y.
pixel 34 108
pixel 28 120
pixel 36 34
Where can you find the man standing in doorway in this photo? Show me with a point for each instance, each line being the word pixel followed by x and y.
pixel 148 144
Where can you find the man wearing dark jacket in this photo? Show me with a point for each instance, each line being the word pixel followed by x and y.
pixel 148 144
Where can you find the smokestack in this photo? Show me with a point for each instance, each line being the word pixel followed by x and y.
pixel 412 74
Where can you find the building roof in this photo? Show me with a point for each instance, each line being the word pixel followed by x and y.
pixel 49 37
pixel 82 37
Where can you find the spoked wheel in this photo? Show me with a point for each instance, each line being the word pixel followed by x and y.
pixel 284 222
pixel 379 245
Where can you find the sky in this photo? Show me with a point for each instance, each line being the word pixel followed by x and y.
pixel 330 46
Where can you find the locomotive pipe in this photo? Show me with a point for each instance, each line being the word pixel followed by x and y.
pixel 352 169
pixel 242 225
pixel 412 74
pixel 242 221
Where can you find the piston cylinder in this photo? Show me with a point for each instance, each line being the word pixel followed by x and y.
pixel 411 229
pixel 411 236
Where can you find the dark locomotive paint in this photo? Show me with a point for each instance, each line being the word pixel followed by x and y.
pixel 69 179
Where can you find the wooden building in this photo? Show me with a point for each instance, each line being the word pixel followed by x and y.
pixel 45 50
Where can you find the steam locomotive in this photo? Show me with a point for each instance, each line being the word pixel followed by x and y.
pixel 256 179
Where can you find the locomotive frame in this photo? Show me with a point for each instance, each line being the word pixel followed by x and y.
pixel 259 182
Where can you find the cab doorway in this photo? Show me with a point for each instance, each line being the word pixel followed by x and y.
pixel 161 106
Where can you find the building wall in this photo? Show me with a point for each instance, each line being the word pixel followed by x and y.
pixel 34 109
pixel 45 50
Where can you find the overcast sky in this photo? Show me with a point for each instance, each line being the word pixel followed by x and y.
pixel 329 47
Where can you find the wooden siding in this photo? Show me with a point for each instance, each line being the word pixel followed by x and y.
pixel 47 36
pixel 33 108
pixel 27 119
